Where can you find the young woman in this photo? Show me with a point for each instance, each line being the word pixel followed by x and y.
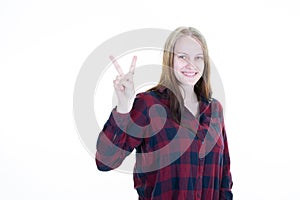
pixel 176 127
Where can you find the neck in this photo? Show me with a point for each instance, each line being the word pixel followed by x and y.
pixel 188 94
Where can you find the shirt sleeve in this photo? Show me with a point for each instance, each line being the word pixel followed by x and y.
pixel 121 134
pixel 226 182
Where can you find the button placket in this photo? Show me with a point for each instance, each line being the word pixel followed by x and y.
pixel 200 167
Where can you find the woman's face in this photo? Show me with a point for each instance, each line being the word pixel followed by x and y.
pixel 188 60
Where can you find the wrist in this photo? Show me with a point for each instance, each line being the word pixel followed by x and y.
pixel 124 107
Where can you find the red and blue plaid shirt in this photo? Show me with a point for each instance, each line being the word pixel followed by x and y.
pixel 185 161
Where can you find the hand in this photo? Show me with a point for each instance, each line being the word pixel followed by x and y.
pixel 124 87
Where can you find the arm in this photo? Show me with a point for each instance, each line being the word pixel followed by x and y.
pixel 117 138
pixel 226 182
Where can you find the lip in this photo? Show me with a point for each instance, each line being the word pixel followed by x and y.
pixel 189 74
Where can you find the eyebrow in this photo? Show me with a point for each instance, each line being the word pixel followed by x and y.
pixel 186 53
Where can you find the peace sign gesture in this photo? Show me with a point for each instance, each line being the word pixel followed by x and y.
pixel 124 87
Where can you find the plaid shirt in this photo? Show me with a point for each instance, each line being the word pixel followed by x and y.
pixel 185 161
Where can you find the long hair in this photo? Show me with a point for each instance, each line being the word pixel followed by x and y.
pixel 202 88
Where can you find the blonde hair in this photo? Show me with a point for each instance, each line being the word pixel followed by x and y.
pixel 202 88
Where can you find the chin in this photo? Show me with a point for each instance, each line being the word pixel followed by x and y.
pixel 189 83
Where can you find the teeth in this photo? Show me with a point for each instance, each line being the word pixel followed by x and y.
pixel 189 73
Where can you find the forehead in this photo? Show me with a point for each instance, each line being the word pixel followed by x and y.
pixel 188 44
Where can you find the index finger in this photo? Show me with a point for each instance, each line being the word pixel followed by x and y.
pixel 133 63
pixel 116 64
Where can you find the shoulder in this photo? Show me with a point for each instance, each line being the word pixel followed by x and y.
pixel 215 109
pixel 211 104
pixel 146 97
pixel 216 104
pixel 149 97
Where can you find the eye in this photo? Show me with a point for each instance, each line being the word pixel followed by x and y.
pixel 182 57
pixel 199 58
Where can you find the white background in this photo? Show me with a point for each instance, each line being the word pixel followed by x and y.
pixel 254 45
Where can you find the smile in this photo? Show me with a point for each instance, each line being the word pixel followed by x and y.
pixel 189 74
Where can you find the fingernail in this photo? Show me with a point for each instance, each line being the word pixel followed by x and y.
pixel 111 57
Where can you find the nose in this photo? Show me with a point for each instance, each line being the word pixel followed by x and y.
pixel 190 64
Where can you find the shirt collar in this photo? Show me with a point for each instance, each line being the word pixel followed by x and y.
pixel 163 89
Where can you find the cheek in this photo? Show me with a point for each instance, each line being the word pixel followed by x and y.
pixel 178 63
pixel 200 66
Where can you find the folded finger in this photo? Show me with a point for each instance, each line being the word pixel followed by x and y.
pixel 127 84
